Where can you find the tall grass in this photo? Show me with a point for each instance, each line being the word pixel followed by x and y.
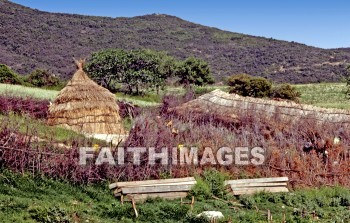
pixel 327 95
pixel 25 125
pixel 22 91
pixel 148 100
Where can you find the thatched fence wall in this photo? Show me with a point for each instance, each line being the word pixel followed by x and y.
pixel 231 105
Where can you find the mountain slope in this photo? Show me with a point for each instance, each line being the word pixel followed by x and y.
pixel 32 39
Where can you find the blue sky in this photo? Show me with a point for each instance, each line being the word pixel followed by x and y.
pixel 321 23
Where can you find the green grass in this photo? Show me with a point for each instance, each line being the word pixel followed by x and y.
pixel 23 91
pixel 153 99
pixel 24 198
pixel 28 199
pixel 147 100
pixel 40 129
pixel 327 95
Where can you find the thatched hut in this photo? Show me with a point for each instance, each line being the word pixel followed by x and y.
pixel 86 107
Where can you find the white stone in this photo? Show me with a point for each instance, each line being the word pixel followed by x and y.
pixel 336 140
pixel 114 139
pixel 211 215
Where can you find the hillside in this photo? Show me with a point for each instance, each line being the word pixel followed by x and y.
pixel 344 49
pixel 55 201
pixel 32 39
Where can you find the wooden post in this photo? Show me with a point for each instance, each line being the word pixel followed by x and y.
pixel 192 203
pixel 269 216
pixel 134 207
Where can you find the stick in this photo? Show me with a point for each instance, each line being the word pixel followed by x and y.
pixel 134 206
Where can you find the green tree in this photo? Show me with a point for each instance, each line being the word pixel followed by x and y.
pixel 136 70
pixel 42 78
pixel 8 76
pixel 147 69
pixel 107 67
pixel 247 85
pixel 194 71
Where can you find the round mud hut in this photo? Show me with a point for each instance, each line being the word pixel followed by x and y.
pixel 86 107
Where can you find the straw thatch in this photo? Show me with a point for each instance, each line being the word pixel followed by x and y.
pixel 85 107
pixel 226 107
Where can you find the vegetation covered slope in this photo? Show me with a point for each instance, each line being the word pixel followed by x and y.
pixel 24 198
pixel 32 39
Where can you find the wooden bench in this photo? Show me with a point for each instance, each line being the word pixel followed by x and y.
pixel 141 190
pixel 251 186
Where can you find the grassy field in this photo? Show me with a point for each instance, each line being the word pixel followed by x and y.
pixel 27 199
pixel 147 100
pixel 328 95
pixel 26 125
pixel 150 99
pixel 23 91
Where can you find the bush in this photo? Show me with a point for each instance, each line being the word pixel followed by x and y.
pixel 285 91
pixel 198 90
pixel 128 110
pixel 211 183
pixel 50 215
pixel 194 71
pixel 8 76
pixel 216 181
pixel 43 78
pixel 247 85
pixel 201 190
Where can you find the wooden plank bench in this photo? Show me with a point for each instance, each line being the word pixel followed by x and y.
pixel 141 190
pixel 251 186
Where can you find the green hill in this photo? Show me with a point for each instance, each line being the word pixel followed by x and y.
pixel 24 198
pixel 32 39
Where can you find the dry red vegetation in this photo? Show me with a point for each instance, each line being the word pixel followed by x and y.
pixel 34 108
pixel 304 149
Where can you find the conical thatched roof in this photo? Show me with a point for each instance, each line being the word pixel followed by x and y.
pixel 86 107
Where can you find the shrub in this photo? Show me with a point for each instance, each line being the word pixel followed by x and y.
pixel 128 110
pixel 211 183
pixel 43 78
pixel 247 85
pixel 216 181
pixel 8 76
pixel 247 201
pixel 201 190
pixel 194 71
pixel 285 91
pixel 50 215
pixel 201 90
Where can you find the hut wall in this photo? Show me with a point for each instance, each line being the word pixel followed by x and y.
pixel 284 109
